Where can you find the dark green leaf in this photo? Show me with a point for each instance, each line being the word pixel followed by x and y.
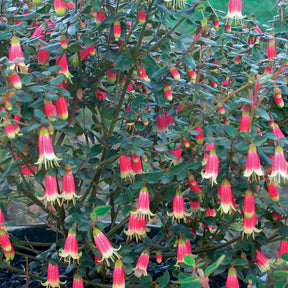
pixel 124 62
pixel 99 211
pixel 164 280
pixel 189 260
pixel 231 131
pixel 39 114
pixel 262 113
pixel 280 273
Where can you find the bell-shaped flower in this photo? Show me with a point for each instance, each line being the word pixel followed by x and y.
pixel 136 226
pixel 53 280
pixel 143 205
pixel 62 108
pixel 276 130
pixel 46 152
pixel 212 167
pixel 271 49
pixel 249 225
pixel 235 10
pixel 249 204
pixel 51 190
pixel 245 119
pixel 78 281
pixel 193 185
pixel 60 7
pixel 6 245
pixel 232 279
pixel 105 247
pixel 158 257
pixel 68 186
pixel 226 197
pixel 279 165
pixel 283 249
pixel 126 171
pixel 16 55
pixel 70 250
pixel 178 209
pixel 262 261
pixel 253 165
pixel 118 275
pixel 142 264
pixel 62 62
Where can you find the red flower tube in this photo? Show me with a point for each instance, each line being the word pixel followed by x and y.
pixel 77 281
pixel 226 197
pixel 118 275
pixel 249 204
pixel 276 130
pixel 16 55
pixel 126 171
pixel 142 264
pixel 212 167
pixel 262 261
pixel 53 280
pixel 117 29
pixel 49 109
pixel 234 10
pixel 245 119
pixel 60 7
pixel 68 186
pixel 279 165
pixel 141 15
pixel 15 80
pixel 136 227
pixel 193 185
pixel 232 279
pixel 62 108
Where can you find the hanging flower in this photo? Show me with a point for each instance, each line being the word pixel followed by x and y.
pixel 175 73
pixel 178 208
pixel 49 109
pixel 283 249
pixel 3 228
pixel 245 119
pixel 118 275
pixel 16 56
pixel 62 108
pixel 77 281
pixel 70 250
pixel 43 56
pixel 100 16
pixel 249 225
pixel 111 76
pixel 136 163
pixel 117 29
pixel 235 10
pixel 181 251
pixel 272 190
pixel 141 15
pixel 226 197
pixel 158 257
pixel 63 42
pixel 143 205
pixel 193 185
pixel 279 165
pixel 177 153
pixel 15 80
pixel 278 97
pixel 249 204
pixel 46 153
pixel 136 226
pixel 105 247
pixel 253 165
pixel 62 62
pixel 60 7
pixel 262 261
pixel 68 186
pixel 200 137
pixel 51 190
pixel 126 171
pixel 195 206
pixel 176 4
pixel 271 49
pixel 142 264
pixel 276 130
pixel 232 279
pixel 168 92
pixel 9 128
pixel 212 167
pixel 53 280
pixel 142 75
pixel 6 245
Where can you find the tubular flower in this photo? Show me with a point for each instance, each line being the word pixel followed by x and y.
pixel 51 190
pixel 181 251
pixel 63 42
pixel 68 186
pixel 249 204
pixel 235 10
pixel 272 190
pixel 177 153
pixel 43 56
pixel 62 108
pixel 278 97
pixel 143 205
pixel 249 225
pixel 262 261
pixel 178 208
pixel 192 75
pixel 162 122
pixel 158 257
pixel 176 4
pixel 168 92
pixel 9 128
pixel 53 280
pixel 141 15
pixel 136 227
pixel 245 119
pixel 226 197
pixel 118 275
pixel 15 80
pixel 117 29
pixel 16 55
pixel 279 165
pixel 60 7
pixel 100 16
pixel 276 130
pixel 212 167
pixel 111 76
pixel 195 206
pixel 49 109
pixel 70 250
pixel 3 228
pixel 7 247
pixel 142 74
pixel 77 281
pixel 283 249
pixel 136 164
pixel 175 73
pixel 46 153
pixel 271 49
pixel 200 137
pixel 126 171
pixel 62 62
pixel 232 279
pixel 253 165
pixel 105 247
pixel 142 264
pixel 193 185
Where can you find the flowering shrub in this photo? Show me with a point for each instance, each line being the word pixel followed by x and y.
pixel 141 113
